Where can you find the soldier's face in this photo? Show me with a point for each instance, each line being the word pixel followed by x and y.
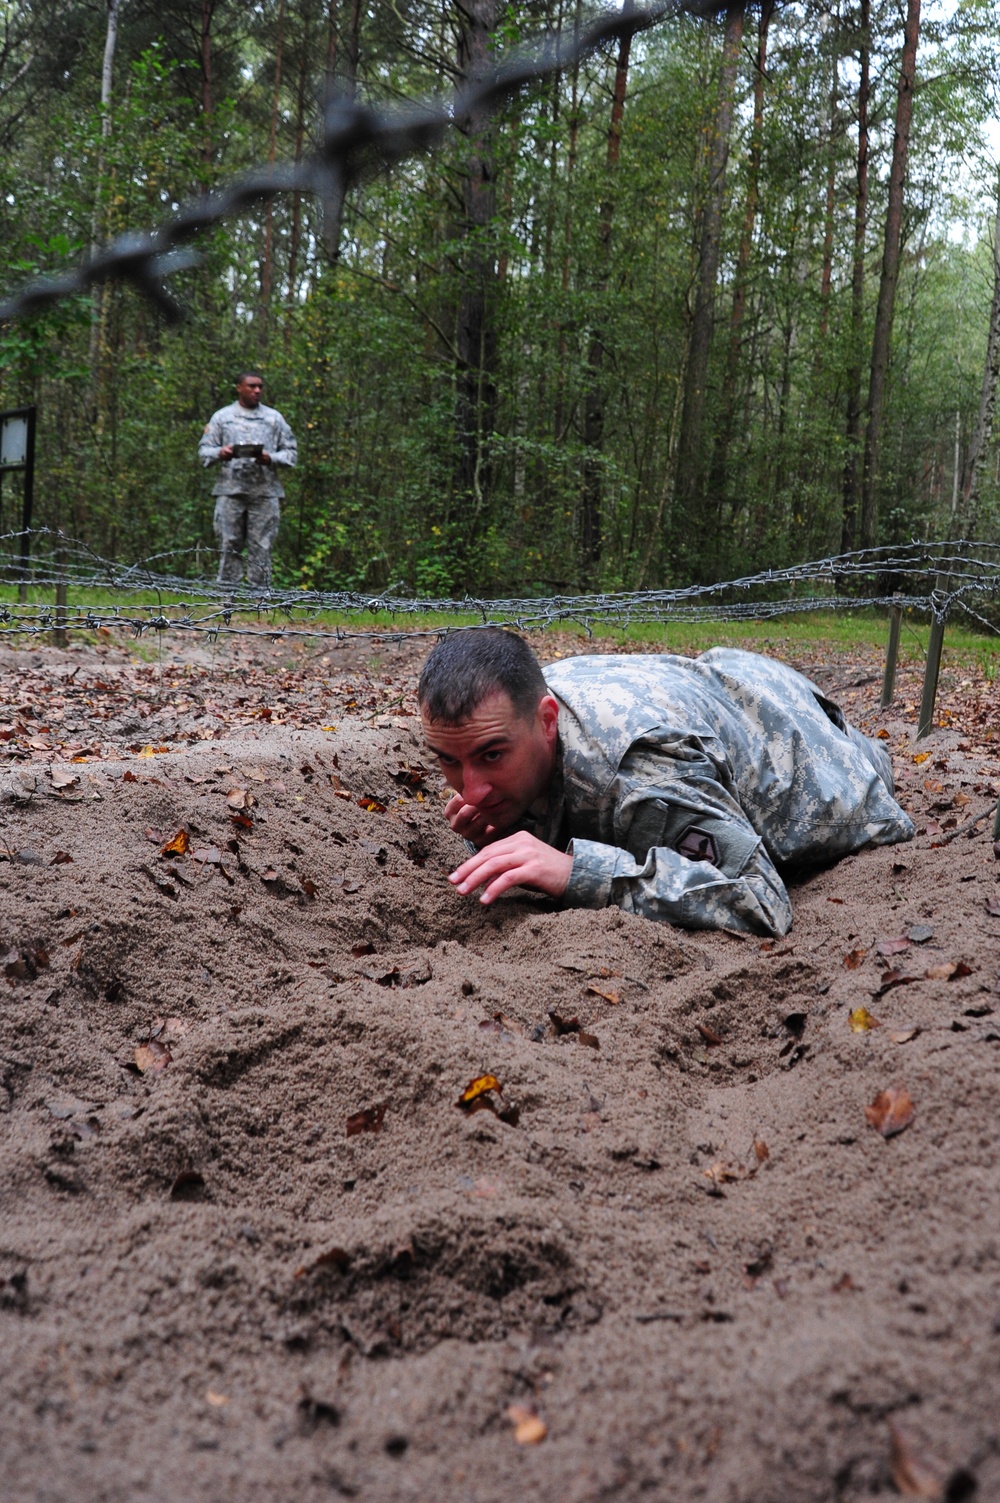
pixel 248 391
pixel 498 761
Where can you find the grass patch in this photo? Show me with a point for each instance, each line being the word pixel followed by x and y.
pixel 840 631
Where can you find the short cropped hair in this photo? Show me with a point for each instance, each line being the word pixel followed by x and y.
pixel 468 666
pixel 243 375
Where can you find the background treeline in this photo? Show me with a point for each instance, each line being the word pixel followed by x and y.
pixel 719 299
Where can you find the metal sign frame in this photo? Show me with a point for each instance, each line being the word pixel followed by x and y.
pixel 27 465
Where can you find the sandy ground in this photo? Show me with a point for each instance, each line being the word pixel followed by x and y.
pixel 252 1249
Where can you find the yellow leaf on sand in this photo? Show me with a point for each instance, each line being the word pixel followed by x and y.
pixel 529 1428
pixel 479 1087
pixel 862 1021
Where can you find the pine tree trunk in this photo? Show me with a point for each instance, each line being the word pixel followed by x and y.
pixel 703 320
pixel 849 510
pixel 207 78
pixel 979 448
pixel 890 275
pixel 560 422
pixel 265 274
pixel 593 421
pixel 826 274
pixel 720 462
pixel 333 208
pixel 476 341
pixel 300 127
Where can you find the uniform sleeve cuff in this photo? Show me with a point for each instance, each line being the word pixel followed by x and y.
pixel 594 867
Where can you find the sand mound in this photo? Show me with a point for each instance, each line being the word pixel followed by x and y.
pixel 252 1249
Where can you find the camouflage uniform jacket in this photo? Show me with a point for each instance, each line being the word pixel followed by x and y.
pixel 237 424
pixel 681 782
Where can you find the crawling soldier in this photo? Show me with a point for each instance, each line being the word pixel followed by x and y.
pixel 672 787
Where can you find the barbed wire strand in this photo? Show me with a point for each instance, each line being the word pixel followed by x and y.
pixel 358 140
pixel 953 573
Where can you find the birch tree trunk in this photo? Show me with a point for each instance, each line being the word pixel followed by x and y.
pixel 890 275
pixel 97 217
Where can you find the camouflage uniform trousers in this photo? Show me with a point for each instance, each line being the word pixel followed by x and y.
pixel 249 522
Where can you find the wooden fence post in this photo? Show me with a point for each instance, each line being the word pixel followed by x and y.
pixel 59 634
pixel 933 668
pixel 891 654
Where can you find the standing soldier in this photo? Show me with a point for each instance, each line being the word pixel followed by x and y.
pixel 250 441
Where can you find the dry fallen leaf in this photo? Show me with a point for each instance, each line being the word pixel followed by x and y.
pixel 613 997
pixel 369 1119
pixel 862 1021
pixel 723 1174
pixel 169 1030
pixel 217 1400
pixel 891 979
pixel 479 1087
pixel 948 970
pixel 239 798
pixel 371 805
pixel 61 858
pixel 529 1428
pixel 761 1152
pixel 708 1034
pixel 903 1035
pixel 921 757
pixel 178 846
pixel 853 959
pixel 152 1056
pixel 62 779
pixel 208 856
pixel 894 946
pixel 334 1257
pixel 891 1111
pixel 916 1472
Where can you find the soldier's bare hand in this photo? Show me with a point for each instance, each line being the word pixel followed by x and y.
pixel 263 457
pixel 226 452
pixel 520 860
pixel 469 822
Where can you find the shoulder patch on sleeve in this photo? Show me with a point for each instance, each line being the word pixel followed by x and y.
pixel 698 845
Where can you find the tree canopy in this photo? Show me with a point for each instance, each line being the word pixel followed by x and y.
pixel 721 298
